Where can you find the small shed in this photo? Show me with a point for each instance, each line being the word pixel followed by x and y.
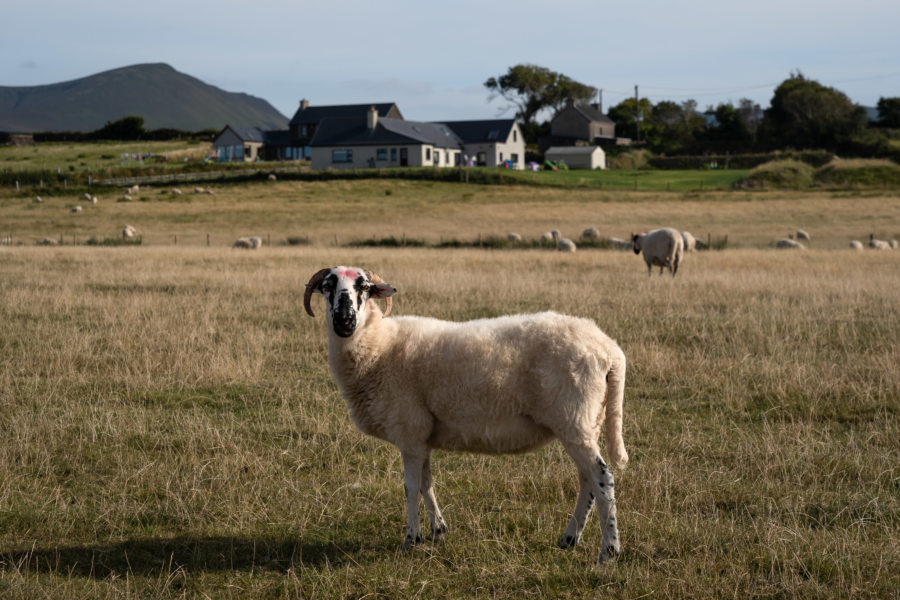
pixel 578 157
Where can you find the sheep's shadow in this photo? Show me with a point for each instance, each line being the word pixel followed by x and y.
pixel 191 554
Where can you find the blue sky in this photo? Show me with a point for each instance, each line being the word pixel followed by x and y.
pixel 433 59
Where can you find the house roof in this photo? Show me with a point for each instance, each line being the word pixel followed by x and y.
pixel 246 134
pixel 590 112
pixel 572 150
pixel 355 131
pixel 316 114
pixel 489 130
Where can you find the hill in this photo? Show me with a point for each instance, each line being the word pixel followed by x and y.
pixel 164 97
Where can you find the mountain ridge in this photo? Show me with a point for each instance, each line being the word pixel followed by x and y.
pixel 163 96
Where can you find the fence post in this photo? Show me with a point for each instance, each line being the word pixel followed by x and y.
pixel 17 185
pixel 207 240
pixel 176 240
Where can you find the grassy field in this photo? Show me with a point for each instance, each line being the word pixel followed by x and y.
pixel 169 427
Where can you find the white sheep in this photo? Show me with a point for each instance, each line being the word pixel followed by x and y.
pixel 76 209
pixel 894 244
pixel 789 244
pixel 878 244
pixel 802 235
pixel 690 242
pixel 661 247
pixel 498 386
pixel 856 245
pixel 176 191
pixel 272 177
pixel 134 189
pixel 547 236
pixel 94 200
pixel 562 244
pixel 591 233
pixel 514 237
pixel 128 232
pixel 38 199
pixel 87 197
pixel 248 243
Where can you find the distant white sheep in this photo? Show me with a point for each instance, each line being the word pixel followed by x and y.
pixel 87 197
pixel 94 200
pixel 176 191
pixel 134 189
pixel 802 235
pixel 562 244
pixel 272 177
pixel 547 236
pixel 514 237
pixel 591 233
pixel 76 209
pixel 128 232
pixel 496 386
pixel 789 244
pixel 248 243
pixel 38 199
pixel 690 242
pixel 894 244
pixel 663 248
pixel 856 245
pixel 878 244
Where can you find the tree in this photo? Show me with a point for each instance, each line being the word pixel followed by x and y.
pixel 129 128
pixel 623 114
pixel 805 114
pixel 531 89
pixel 889 112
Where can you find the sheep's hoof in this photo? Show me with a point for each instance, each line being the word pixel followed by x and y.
pixel 410 541
pixel 610 553
pixel 438 532
pixel 567 541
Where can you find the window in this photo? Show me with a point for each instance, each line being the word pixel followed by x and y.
pixel 381 154
pixel 342 156
pixel 501 157
pixel 427 153
pixel 307 151
pixel 393 155
pixel 303 130
pixel 515 136
pixel 493 134
pixel 515 159
pixel 248 151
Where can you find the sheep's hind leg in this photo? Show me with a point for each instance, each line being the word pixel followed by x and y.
pixel 601 479
pixel 572 535
pixel 413 465
pixel 438 525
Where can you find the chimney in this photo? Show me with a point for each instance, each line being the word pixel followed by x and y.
pixel 304 104
pixel 372 119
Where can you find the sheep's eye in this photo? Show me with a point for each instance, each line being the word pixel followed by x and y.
pixel 326 287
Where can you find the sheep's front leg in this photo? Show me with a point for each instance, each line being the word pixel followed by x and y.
pixel 413 465
pixel 438 525
pixel 583 505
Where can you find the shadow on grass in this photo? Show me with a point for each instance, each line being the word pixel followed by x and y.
pixel 191 554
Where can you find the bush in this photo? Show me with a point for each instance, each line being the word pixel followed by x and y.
pixel 778 174
pixel 860 172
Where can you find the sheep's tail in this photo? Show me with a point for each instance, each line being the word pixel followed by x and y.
pixel 615 398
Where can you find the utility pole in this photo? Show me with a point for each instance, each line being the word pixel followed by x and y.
pixel 637 115
pixel 600 100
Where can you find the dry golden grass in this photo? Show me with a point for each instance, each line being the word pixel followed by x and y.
pixel 169 427
pixel 342 211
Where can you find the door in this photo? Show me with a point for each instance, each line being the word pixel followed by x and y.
pixel 404 158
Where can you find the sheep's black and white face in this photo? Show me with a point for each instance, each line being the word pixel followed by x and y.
pixel 346 291
pixel 636 240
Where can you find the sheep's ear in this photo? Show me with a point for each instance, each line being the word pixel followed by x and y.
pixel 382 290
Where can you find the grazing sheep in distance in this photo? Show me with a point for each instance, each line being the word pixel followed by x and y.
pixel 87 197
pixel 38 199
pixel 272 177
pixel 802 235
pixel 248 243
pixel 176 191
pixel 788 244
pixel 878 244
pixel 661 247
pixel 562 244
pixel 134 189
pixel 547 236
pixel 128 232
pixel 76 209
pixel 514 237
pixel 856 245
pixel 894 244
pixel 591 233
pixel 690 242
pixel 94 200
pixel 499 386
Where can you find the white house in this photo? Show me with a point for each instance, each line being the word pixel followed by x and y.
pixel 373 141
pixel 492 142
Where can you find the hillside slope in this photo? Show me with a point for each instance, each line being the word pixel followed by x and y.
pixel 164 97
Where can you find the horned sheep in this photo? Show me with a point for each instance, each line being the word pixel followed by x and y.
pixel 661 247
pixel 496 386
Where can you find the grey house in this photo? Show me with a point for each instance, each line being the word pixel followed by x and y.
pixel 239 143
pixel 307 119
pixel 373 141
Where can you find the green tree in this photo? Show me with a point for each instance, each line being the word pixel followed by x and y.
pixel 889 112
pixel 531 89
pixel 129 128
pixel 623 114
pixel 806 114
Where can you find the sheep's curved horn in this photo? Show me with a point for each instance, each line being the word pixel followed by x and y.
pixel 376 278
pixel 314 282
